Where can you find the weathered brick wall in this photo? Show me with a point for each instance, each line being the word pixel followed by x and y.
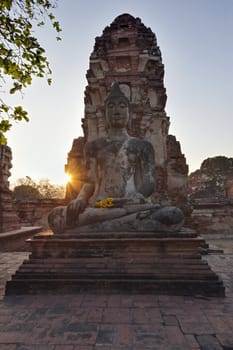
pixel 8 217
pixel 35 212
pixel 212 217
pixel 213 181
pixel 210 190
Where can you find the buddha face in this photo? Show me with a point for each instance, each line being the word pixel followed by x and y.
pixel 117 112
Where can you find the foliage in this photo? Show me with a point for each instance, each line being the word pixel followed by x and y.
pixel 49 190
pixel 21 55
pixel 27 189
pixel 26 192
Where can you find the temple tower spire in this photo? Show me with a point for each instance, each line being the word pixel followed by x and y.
pixel 127 52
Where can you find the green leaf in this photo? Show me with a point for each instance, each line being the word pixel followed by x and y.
pixel 19 114
pixel 2 139
pixel 5 125
pixel 4 108
pixel 16 87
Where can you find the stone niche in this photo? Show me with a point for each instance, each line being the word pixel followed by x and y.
pixel 9 220
pixel 127 52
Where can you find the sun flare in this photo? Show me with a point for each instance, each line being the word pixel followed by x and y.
pixel 68 178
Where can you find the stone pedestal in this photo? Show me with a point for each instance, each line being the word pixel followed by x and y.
pixel 150 263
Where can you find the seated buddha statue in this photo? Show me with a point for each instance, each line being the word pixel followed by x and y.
pixel 119 182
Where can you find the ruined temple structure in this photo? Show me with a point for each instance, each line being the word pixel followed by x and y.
pixel 210 191
pixel 127 52
pixel 9 220
pixel 213 182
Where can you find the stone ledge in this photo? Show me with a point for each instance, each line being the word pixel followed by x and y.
pixel 16 240
pixel 72 234
pixel 24 229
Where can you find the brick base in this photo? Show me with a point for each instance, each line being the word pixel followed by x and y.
pixel 133 262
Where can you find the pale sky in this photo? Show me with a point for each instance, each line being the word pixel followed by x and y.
pixel 196 41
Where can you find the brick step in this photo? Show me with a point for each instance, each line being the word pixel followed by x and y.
pixel 99 285
pixel 112 267
pixel 104 270
pixel 155 260
pixel 134 273
pixel 126 257
pixel 111 264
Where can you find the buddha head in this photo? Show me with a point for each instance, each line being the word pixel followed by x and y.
pixel 117 108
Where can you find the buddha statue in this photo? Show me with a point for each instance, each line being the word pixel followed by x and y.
pixel 120 179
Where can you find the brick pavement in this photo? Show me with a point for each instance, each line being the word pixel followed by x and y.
pixel 116 322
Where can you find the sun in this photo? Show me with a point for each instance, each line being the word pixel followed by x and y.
pixel 68 177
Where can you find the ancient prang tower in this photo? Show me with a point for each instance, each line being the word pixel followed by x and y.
pixel 127 52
